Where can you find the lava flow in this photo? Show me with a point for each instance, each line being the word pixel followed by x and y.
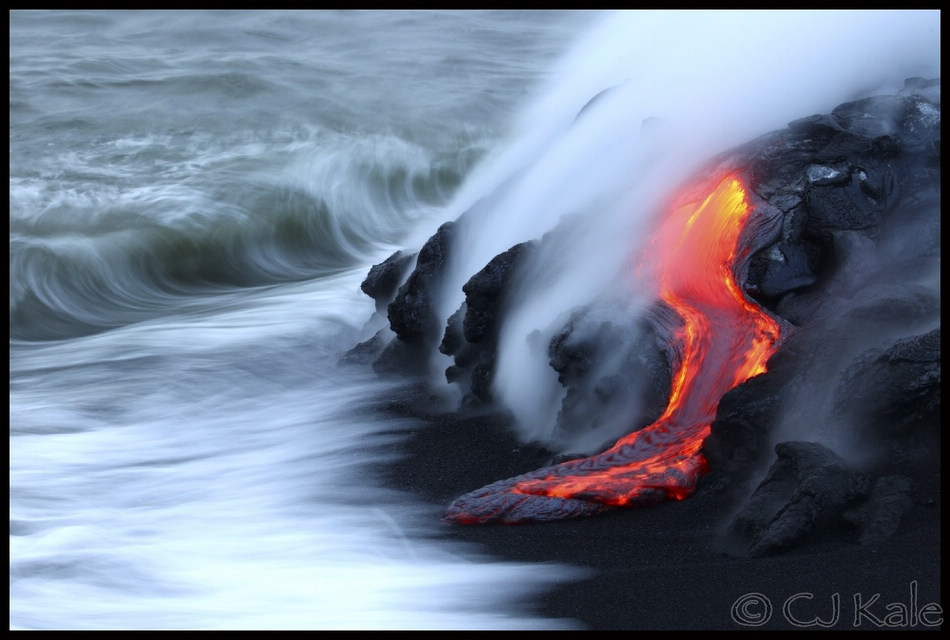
pixel 723 340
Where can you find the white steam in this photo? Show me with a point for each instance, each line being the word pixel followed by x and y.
pixel 672 89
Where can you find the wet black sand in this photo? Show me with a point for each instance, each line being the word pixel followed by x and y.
pixel 671 566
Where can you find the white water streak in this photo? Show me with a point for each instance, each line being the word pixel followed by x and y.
pixel 216 473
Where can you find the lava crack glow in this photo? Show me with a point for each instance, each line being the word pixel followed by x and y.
pixel 724 339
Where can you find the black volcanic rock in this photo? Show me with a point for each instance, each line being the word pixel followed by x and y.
pixel 807 487
pixel 783 268
pixel 615 369
pixel 471 333
pixel 384 279
pixel 381 284
pixel 484 293
pixel 840 178
pixel 855 258
pixel 847 206
pixel 849 268
pixel 411 313
pixel 891 399
pixel 739 436
pixel 880 515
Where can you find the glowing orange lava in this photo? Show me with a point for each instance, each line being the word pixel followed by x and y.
pixel 725 339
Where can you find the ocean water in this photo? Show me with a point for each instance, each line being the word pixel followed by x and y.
pixel 194 200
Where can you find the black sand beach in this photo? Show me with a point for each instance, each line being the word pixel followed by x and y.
pixel 671 566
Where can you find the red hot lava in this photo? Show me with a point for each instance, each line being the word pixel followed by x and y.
pixel 723 340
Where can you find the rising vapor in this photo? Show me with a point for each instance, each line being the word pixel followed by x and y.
pixel 637 107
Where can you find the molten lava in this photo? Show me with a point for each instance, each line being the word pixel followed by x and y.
pixel 724 339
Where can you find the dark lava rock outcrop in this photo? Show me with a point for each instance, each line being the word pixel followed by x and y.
pixel 853 394
pixel 806 488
